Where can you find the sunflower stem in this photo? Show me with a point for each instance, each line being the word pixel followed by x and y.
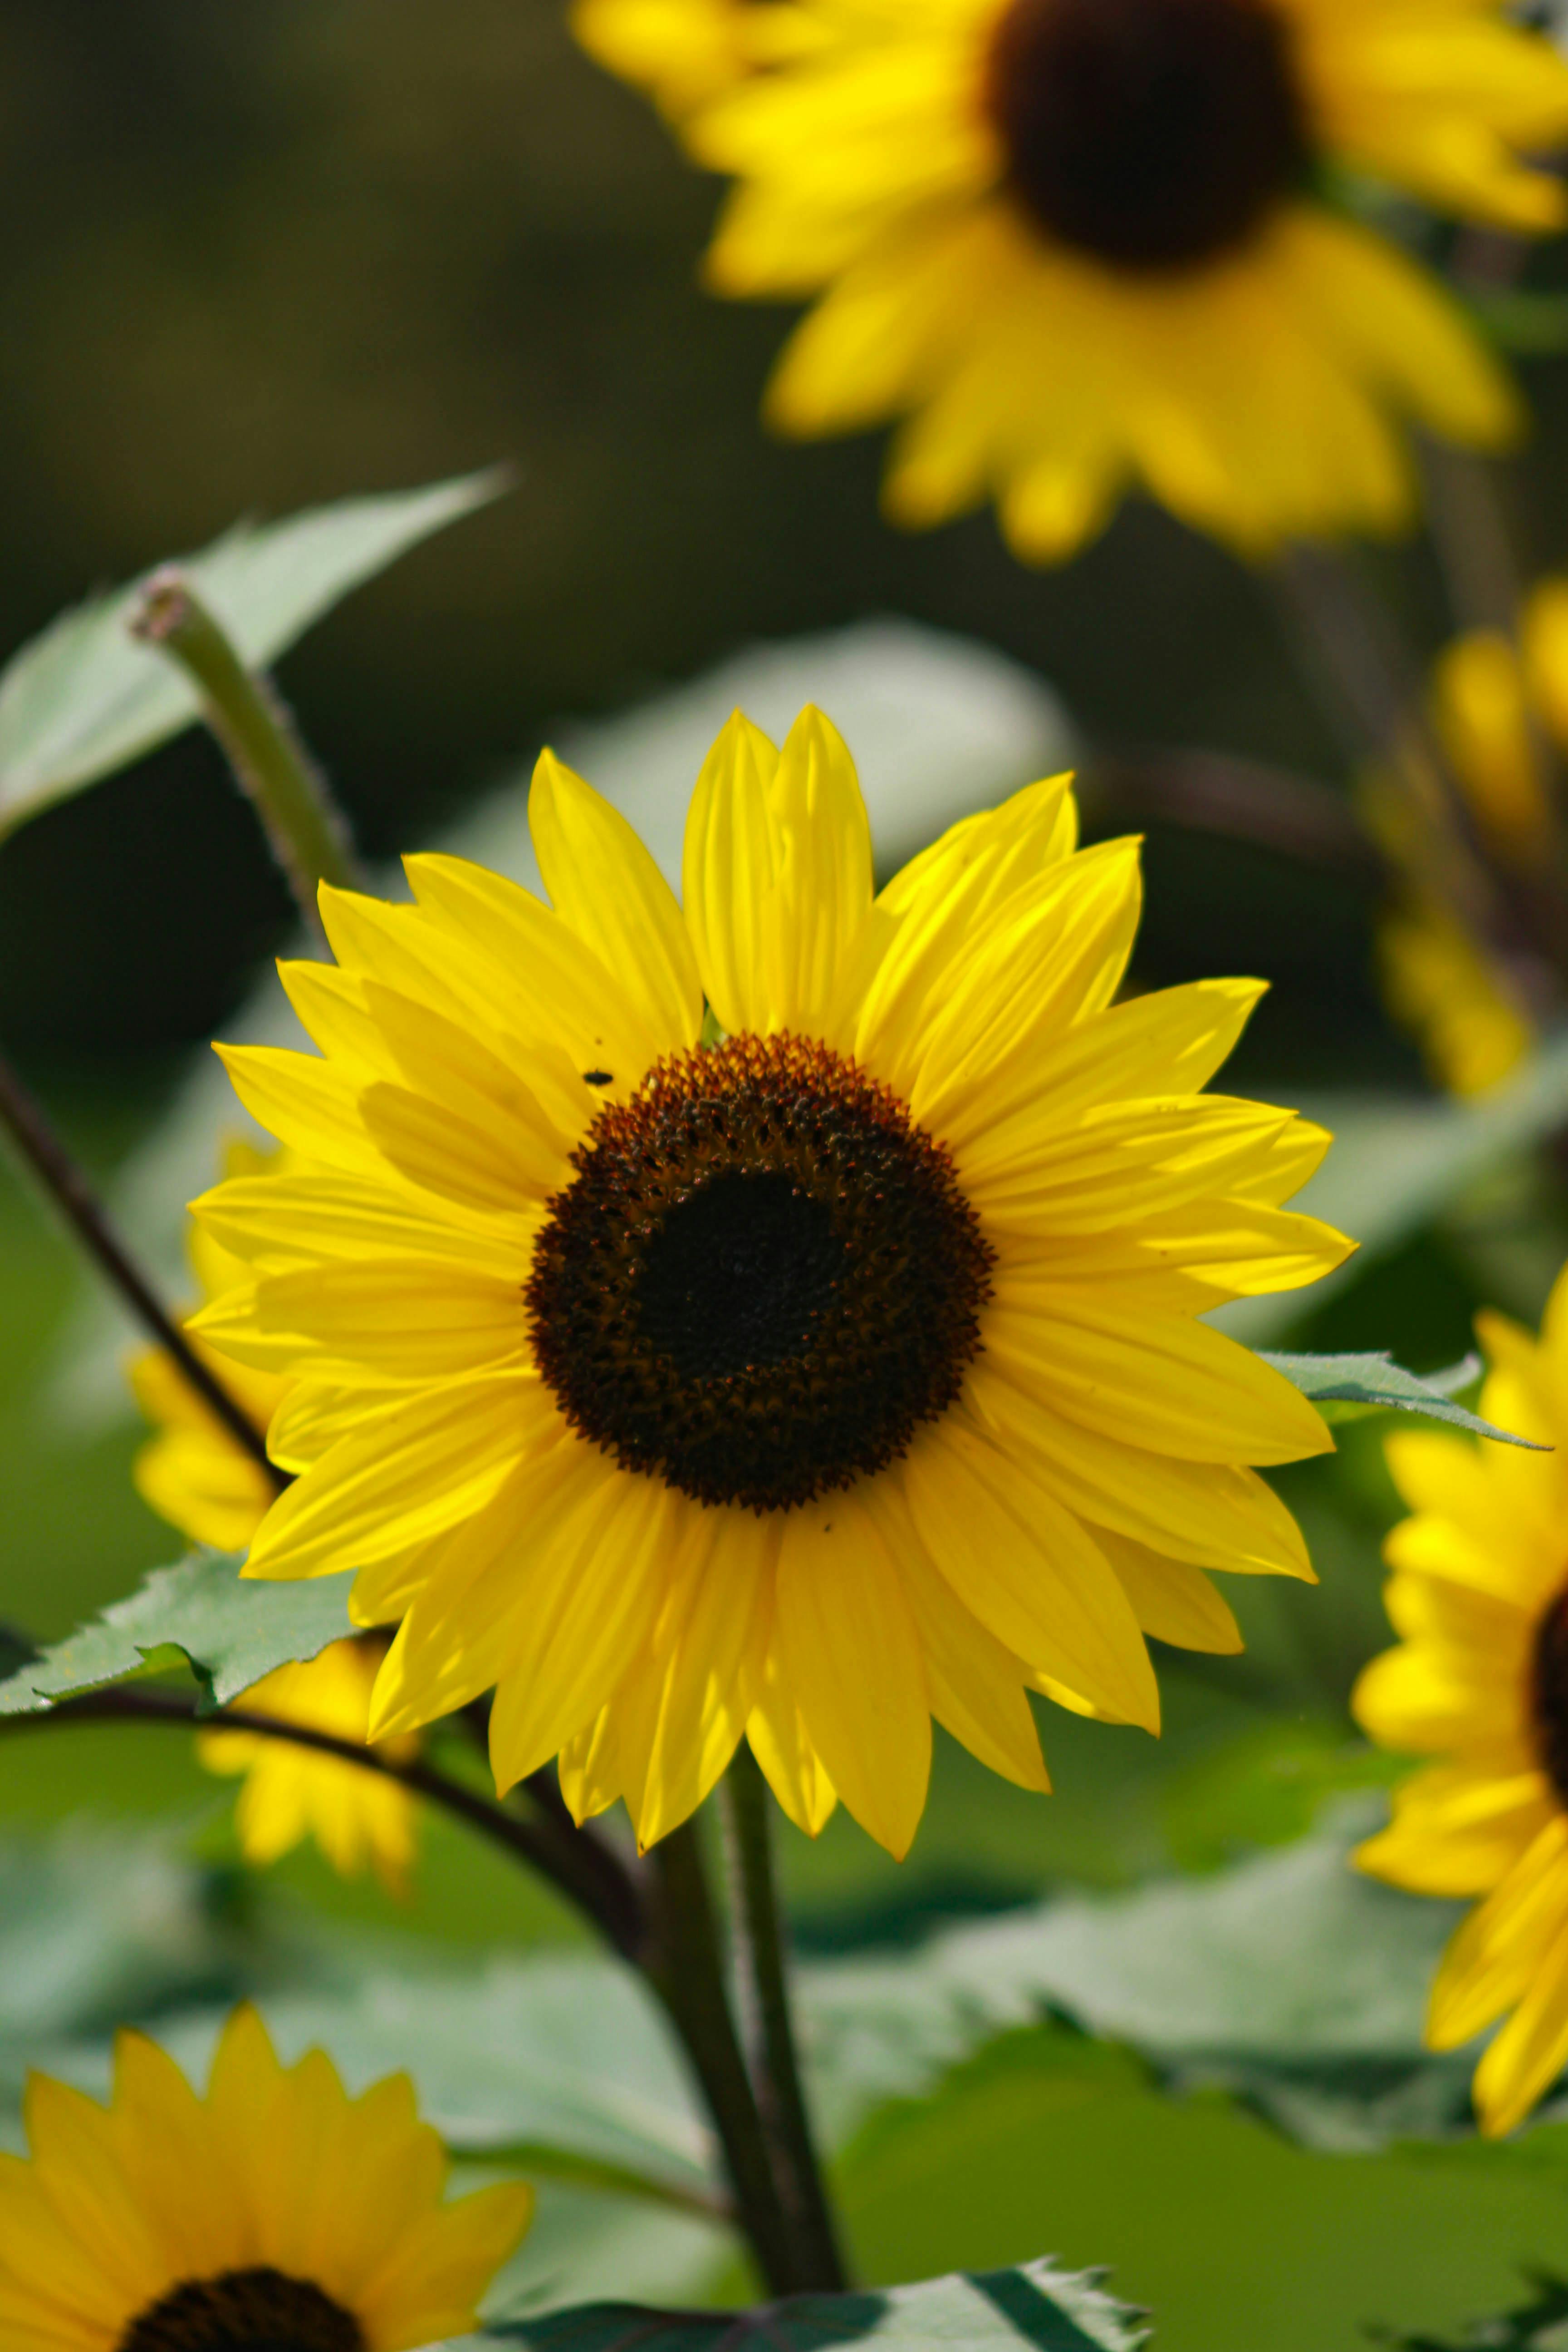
pixel 758 1937
pixel 685 1967
pixel 307 831
pixel 22 1118
pixel 586 1872
pixel 1470 536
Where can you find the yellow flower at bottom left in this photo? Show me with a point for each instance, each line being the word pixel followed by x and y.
pixel 276 2209
pixel 194 1475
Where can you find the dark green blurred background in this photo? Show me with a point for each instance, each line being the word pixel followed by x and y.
pixel 260 255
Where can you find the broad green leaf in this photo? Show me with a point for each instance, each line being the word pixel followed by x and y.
pixel 202 1613
pixel 1237 2239
pixel 1345 1387
pixel 1033 2303
pixel 1539 2325
pixel 1396 1163
pixel 85 697
pixel 1291 1979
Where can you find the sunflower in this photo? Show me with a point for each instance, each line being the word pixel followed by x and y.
pixel 1500 712
pixel 291 1793
pixel 1501 708
pixel 1445 989
pixel 274 2212
pixel 775 1319
pixel 1480 1683
pixel 194 1475
pixel 1086 246
pixel 683 52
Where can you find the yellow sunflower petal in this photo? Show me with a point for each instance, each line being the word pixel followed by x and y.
pixel 776 1733
pixel 1458 1829
pixel 848 1644
pixel 1210 1399
pixel 976 1686
pixel 598 1599
pixel 604 883
pixel 1170 1600
pixel 408 1474
pixel 1526 2058
pixel 1029 1569
pixel 777 873
pixel 709 1652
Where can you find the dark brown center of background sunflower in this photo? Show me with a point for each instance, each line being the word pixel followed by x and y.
pixel 245 2311
pixel 1154 134
pixel 762 1279
pixel 1549 1694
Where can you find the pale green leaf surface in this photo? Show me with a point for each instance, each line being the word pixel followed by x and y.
pixel 1035 2303
pixel 231 1632
pixel 1290 1978
pixel 86 697
pixel 94 1928
pixel 1345 1387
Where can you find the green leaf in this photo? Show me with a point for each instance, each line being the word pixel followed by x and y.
pixel 202 1613
pixel 1239 2240
pixel 1266 1787
pixel 1344 1388
pixel 1539 2325
pixel 96 1926
pixel 1396 1163
pixel 1033 2303
pixel 85 697
pixel 1291 1981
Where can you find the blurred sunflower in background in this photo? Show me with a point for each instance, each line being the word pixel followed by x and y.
pixel 1083 247
pixel 1499 710
pixel 1479 1681
pixel 194 1474
pixel 682 52
pixel 775 1319
pixel 273 2214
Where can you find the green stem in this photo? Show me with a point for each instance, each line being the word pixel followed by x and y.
pixel 23 1120
pixel 775 2066
pixel 586 1872
pixel 683 1965
pixel 308 834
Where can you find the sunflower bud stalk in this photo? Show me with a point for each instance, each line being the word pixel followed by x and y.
pixel 308 833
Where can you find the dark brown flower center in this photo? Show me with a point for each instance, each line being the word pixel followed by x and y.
pixel 762 1279
pixel 1549 1694
pixel 1152 133
pixel 245 2311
